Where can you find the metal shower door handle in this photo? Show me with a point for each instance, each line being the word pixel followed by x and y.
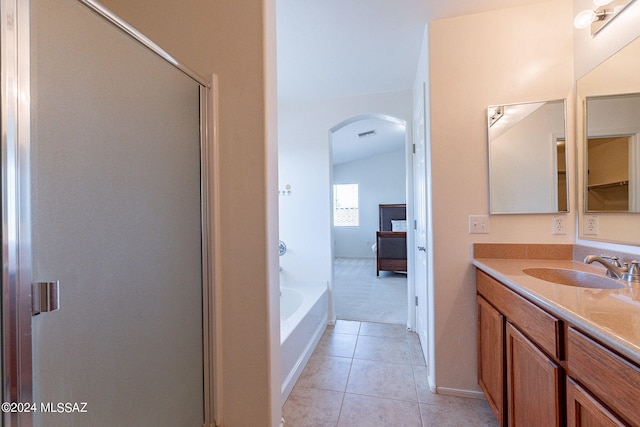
pixel 45 297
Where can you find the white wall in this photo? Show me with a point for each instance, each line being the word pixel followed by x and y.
pixel 304 159
pixel 507 56
pixel 381 179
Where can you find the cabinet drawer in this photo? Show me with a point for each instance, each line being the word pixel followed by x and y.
pixel 612 379
pixel 541 327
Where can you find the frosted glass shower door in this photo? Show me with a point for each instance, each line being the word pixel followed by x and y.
pixel 116 218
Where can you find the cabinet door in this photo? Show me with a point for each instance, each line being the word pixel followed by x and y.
pixel 491 368
pixel 533 383
pixel 585 411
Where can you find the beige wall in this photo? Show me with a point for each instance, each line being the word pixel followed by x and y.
pixel 236 40
pixel 507 56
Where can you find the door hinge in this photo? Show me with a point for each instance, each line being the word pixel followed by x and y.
pixel 45 297
pixel 416 300
pixel 414 148
pixel 415 224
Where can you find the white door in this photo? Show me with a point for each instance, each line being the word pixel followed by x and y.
pixel 420 216
pixel 116 218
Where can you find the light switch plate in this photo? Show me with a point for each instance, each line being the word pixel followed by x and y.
pixel 478 224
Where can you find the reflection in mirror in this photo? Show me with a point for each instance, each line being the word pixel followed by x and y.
pixel 612 153
pixel 607 106
pixel 527 158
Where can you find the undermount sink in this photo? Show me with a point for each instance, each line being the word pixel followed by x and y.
pixel 577 278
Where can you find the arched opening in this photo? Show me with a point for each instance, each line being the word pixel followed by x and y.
pixel 371 166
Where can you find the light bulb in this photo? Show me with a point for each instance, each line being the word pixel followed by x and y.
pixel 584 19
pixel 602 2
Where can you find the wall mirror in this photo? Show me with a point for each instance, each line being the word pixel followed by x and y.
pixel 527 158
pixel 608 135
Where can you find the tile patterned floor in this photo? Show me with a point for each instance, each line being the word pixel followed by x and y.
pixel 373 374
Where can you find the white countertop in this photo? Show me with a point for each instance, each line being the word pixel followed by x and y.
pixel 612 316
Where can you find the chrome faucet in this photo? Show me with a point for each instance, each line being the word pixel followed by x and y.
pixel 615 269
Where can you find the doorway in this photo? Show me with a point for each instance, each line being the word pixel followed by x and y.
pixel 370 167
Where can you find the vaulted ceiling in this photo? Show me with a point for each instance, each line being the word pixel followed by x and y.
pixel 342 48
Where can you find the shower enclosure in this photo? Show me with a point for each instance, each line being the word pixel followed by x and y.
pixel 104 179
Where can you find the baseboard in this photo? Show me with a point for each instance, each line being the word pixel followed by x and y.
pixel 460 393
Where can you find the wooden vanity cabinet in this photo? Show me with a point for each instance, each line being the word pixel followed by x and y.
pixel 584 410
pixel 604 388
pixel 518 357
pixel 539 370
pixel 491 364
pixel 533 383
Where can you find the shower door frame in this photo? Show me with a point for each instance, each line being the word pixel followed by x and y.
pixel 15 128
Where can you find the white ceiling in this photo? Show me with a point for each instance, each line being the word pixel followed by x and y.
pixel 348 146
pixel 342 48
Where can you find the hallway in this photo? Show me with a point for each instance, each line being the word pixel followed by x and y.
pixel 373 374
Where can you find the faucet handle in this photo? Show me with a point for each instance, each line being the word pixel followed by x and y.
pixel 614 259
pixel 633 275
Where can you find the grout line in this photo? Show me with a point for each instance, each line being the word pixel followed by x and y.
pixel 422 416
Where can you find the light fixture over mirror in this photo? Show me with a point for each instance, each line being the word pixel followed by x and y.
pixel 527 158
pixel 605 11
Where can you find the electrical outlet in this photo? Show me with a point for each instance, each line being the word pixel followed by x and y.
pixel 559 224
pixel 478 224
pixel 591 225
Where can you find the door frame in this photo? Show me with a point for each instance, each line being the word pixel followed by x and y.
pixel 16 208
pixel 411 309
pixel 15 106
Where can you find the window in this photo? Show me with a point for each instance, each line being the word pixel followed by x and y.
pixel 345 205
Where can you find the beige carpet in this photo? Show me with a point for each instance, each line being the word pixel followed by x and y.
pixel 360 295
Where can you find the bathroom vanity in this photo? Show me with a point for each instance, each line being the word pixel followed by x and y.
pixel 557 354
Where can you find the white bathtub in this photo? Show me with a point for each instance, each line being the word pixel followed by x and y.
pixel 303 319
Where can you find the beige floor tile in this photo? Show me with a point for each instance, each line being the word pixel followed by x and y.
pixel 385 349
pixel 455 416
pixel 382 379
pixel 366 411
pixel 309 407
pixel 415 350
pixel 346 327
pixel 383 329
pixel 463 403
pixel 420 375
pixel 325 372
pixel 334 344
